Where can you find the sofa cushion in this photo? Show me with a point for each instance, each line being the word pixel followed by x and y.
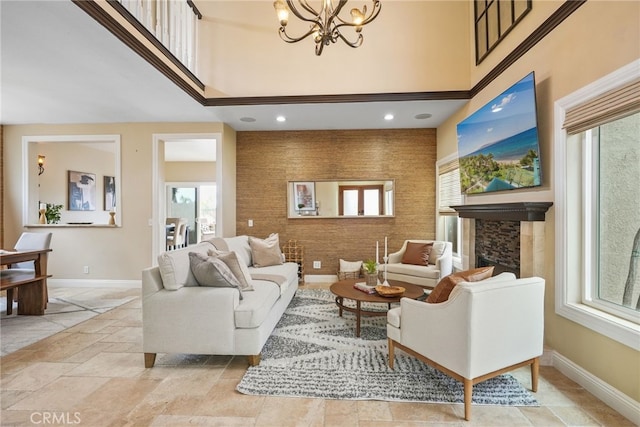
pixel 393 316
pixel 417 253
pixel 443 289
pixel 236 266
pixel 256 305
pixel 175 269
pixel 212 271
pixel 288 270
pixel 240 245
pixel 427 271
pixel 266 252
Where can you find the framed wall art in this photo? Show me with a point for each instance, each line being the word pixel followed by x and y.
pixel 304 196
pixel 109 193
pixel 82 191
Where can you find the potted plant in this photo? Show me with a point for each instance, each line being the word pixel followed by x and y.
pixel 371 272
pixel 53 213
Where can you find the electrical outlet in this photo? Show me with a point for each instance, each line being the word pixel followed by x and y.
pixel 317 264
pixel 85 269
pixel 250 223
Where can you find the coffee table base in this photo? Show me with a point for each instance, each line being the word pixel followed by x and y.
pixel 344 289
pixel 358 311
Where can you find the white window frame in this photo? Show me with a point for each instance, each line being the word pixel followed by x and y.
pixel 574 272
pixel 591 156
pixel 457 257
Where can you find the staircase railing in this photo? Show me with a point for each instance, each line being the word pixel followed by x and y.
pixel 172 22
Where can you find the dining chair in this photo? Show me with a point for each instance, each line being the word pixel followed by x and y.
pixel 176 232
pixel 28 241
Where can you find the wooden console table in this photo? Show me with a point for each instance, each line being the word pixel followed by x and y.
pixel 32 298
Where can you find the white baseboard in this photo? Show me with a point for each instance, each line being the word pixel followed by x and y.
pixel 319 278
pixel 547 357
pixel 84 283
pixel 613 397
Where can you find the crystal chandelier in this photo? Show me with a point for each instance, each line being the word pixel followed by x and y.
pixel 324 25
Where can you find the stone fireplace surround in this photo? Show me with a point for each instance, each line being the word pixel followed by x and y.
pixel 508 235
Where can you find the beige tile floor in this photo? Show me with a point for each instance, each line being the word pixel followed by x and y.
pixel 92 374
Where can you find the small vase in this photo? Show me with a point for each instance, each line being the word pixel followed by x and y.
pixel 371 278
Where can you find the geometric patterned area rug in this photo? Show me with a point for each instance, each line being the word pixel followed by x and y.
pixel 314 353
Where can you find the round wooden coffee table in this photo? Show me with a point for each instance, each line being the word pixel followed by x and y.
pixel 344 289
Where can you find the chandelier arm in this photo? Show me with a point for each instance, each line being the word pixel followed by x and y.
pixel 306 7
pixel 336 11
pixel 287 38
pixel 375 11
pixel 356 43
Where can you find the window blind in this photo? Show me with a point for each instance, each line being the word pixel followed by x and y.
pixel 449 187
pixel 612 105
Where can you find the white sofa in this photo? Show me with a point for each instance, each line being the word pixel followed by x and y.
pixel 440 265
pixel 178 316
pixel 483 329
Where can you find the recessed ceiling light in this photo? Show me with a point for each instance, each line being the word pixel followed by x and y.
pixel 247 119
pixel 388 116
pixel 281 118
pixel 422 116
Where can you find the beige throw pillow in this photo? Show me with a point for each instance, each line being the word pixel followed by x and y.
pixel 265 252
pixel 212 271
pixel 350 266
pixel 238 268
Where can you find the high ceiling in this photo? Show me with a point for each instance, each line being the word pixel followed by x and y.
pixel 60 66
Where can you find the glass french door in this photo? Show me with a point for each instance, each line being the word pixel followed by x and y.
pixel 196 203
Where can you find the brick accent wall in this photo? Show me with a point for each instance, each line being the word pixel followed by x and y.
pixel 499 242
pixel 266 161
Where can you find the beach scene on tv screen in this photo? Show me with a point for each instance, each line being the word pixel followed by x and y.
pixel 498 147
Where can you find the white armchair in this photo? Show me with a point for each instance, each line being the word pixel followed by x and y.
pixel 484 329
pixel 440 265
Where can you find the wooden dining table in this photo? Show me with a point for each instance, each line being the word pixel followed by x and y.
pixel 32 284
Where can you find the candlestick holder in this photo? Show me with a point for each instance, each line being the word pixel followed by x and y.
pixel 43 218
pixel 386 260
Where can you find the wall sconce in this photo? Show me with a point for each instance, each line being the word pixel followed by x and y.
pixel 40 164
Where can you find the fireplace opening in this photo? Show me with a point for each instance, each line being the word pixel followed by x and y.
pixel 498 267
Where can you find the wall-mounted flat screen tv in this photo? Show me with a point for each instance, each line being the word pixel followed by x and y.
pixel 498 147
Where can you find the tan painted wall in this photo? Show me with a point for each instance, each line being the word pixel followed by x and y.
pixel 596 40
pixel 226 164
pixel 403 51
pixel 190 171
pixel 268 160
pixel 114 254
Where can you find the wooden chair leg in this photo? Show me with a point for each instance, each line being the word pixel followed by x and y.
pixel 468 389
pixel 392 350
pixel 149 360
pixel 535 370
pixel 9 301
pixel 254 359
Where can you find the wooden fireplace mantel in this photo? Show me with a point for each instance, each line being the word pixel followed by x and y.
pixel 523 211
